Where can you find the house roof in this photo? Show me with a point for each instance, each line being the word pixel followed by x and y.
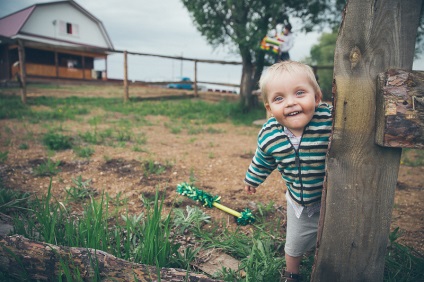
pixel 11 25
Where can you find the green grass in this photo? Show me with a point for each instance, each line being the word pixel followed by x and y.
pixel 412 157
pixel 147 237
pixel 57 141
pixel 60 109
pixel 47 168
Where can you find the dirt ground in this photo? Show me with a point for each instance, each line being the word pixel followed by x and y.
pixel 216 161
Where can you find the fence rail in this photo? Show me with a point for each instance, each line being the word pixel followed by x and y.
pixel 196 61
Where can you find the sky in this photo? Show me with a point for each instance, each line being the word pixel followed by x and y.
pixel 164 27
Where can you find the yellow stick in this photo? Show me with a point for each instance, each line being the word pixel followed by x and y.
pixel 228 210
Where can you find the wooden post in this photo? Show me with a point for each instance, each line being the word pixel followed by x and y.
pixel 126 94
pixel 83 67
pixel 195 79
pixel 106 71
pixel 56 63
pixel 22 70
pixel 361 176
pixel 400 109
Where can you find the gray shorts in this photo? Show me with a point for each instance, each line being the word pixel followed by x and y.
pixel 301 234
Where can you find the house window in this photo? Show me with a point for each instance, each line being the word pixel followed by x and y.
pixel 67 28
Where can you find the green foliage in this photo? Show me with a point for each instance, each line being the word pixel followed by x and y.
pixel 91 137
pixel 23 146
pixel 412 157
pixel 241 25
pixel 152 167
pixel 80 190
pixel 402 263
pixel 48 168
pixel 3 156
pixel 263 263
pixel 84 152
pixel 156 247
pixel 11 200
pixel 57 141
pixel 192 218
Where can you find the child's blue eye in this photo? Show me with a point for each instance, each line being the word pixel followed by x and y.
pixel 278 99
pixel 300 92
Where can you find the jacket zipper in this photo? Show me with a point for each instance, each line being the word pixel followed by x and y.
pixel 297 163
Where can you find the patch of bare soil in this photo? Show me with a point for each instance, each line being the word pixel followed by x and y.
pixel 216 161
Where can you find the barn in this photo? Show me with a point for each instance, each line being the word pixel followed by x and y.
pixel 53 40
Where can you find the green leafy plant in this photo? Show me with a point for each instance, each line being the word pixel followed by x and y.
pixel 152 167
pixel 23 146
pixel 84 152
pixel 3 156
pixel 80 190
pixel 56 141
pixel 193 217
pixel 156 247
pixel 48 168
pixel 402 263
pixel 11 200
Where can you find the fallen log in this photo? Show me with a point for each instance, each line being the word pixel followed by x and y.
pixel 25 259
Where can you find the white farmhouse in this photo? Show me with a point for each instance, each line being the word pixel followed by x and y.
pixel 53 40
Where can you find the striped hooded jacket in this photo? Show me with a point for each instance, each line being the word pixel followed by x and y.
pixel 303 169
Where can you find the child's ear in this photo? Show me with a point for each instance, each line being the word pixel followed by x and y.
pixel 268 108
pixel 318 98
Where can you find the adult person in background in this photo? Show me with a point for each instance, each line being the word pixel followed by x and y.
pixel 287 44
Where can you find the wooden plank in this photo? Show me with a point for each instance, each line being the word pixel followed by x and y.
pixel 361 176
pixel 400 109
pixel 214 260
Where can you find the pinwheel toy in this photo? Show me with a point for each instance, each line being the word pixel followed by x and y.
pixel 185 189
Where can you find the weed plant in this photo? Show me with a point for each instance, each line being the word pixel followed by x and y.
pixel 194 217
pixel 3 156
pixel 80 190
pixel 57 141
pixel 146 238
pixel 23 146
pixel 83 152
pixel 48 168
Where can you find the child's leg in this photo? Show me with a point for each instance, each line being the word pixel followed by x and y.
pixel 300 238
pixel 292 264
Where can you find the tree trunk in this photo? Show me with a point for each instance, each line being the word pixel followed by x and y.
pixel 246 87
pixel 361 176
pixel 25 260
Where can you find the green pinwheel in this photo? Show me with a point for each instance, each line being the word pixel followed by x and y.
pixel 185 189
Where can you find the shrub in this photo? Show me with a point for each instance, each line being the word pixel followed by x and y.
pixel 57 141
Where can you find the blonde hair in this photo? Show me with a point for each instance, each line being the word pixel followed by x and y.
pixel 276 70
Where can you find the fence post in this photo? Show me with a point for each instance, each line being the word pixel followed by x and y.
pixel 126 94
pixel 195 79
pixel 22 71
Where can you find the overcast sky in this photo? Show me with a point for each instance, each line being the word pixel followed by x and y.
pixel 163 27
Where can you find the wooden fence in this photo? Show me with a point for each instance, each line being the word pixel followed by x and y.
pixel 195 61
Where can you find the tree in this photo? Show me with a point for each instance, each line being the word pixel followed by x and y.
pixel 243 24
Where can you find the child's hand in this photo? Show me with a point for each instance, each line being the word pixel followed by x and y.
pixel 250 190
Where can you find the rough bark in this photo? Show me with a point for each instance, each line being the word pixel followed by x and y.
pixel 24 260
pixel 361 176
pixel 400 109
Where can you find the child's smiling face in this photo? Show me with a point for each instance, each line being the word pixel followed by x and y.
pixel 292 100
